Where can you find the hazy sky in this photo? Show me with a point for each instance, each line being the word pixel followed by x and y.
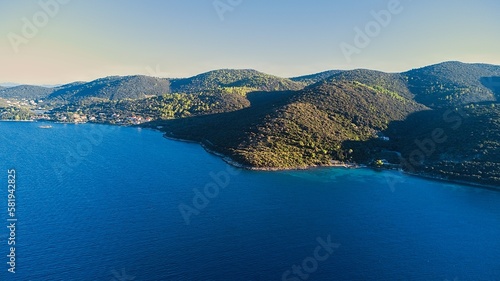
pixel 88 39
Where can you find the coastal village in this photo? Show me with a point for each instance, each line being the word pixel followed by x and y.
pixel 95 118
pixel 35 110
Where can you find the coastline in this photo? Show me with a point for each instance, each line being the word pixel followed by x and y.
pixel 445 180
pixel 333 164
pixel 234 163
pixel 230 161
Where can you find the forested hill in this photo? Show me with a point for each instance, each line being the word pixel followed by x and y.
pixel 167 106
pixel 109 88
pixel 25 92
pixel 454 83
pixel 315 78
pixel 392 82
pixel 458 144
pixel 441 85
pixel 228 78
pixel 112 88
pixel 296 129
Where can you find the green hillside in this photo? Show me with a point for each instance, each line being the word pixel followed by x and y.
pixel 112 88
pixel 296 129
pixel 228 78
pixel 25 92
pixel 454 83
pixel 459 144
pixel 315 78
pixel 167 106
pixel 392 83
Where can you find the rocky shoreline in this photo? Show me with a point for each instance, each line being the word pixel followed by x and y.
pixel 443 179
pixel 334 164
pixel 237 164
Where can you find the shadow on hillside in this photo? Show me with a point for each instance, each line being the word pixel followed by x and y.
pixel 492 83
pixel 261 97
pixel 223 130
pixel 415 133
pixel 462 145
pixel 468 134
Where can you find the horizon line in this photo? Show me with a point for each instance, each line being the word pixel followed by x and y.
pixel 10 84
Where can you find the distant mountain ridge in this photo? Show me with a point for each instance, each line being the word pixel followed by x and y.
pixel 315 78
pixel 454 83
pixel 113 88
pixel 25 92
pixel 9 85
pixel 439 85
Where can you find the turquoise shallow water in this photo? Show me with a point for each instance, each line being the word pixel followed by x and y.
pixel 102 203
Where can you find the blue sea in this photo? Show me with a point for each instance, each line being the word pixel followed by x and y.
pixel 98 202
